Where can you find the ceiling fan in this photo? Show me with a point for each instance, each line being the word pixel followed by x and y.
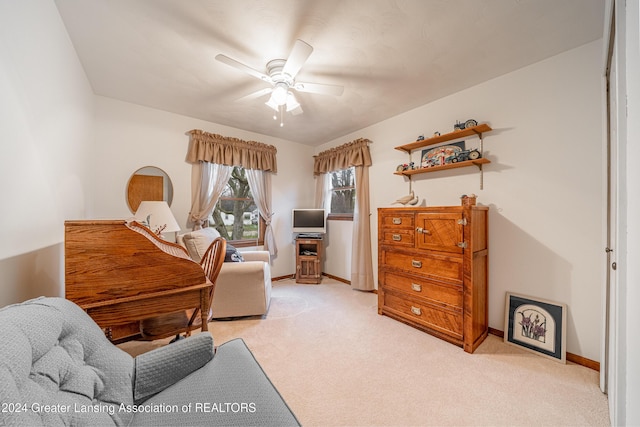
pixel 281 75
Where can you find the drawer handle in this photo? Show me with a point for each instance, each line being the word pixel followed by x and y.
pixel 416 310
pixel 421 230
pixel 397 221
pixel 396 237
pixel 416 287
pixel 416 264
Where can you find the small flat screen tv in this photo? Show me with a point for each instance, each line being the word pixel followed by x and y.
pixel 309 221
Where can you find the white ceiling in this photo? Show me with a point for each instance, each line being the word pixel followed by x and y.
pixel 390 56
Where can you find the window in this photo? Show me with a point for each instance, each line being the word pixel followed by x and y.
pixel 343 194
pixel 236 215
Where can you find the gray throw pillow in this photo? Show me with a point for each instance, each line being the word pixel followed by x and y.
pixel 233 255
pixel 160 368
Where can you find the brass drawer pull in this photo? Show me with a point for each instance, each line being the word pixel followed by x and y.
pixel 397 221
pixel 416 287
pixel 416 264
pixel 396 237
pixel 416 310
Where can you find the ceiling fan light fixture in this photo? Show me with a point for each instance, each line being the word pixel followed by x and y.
pixel 279 94
pixel 281 74
pixel 291 103
pixel 270 103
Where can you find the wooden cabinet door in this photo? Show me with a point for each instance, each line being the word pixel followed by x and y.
pixel 439 231
pixel 308 255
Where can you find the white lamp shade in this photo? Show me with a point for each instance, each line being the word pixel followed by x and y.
pixel 159 215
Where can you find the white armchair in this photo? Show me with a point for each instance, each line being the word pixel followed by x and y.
pixel 242 288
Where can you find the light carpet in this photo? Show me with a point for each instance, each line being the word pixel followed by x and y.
pixel 337 362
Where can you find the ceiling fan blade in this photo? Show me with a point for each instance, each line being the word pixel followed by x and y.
pixel 299 55
pixel 240 66
pixel 319 88
pixel 255 95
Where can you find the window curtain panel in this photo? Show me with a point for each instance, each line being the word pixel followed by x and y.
pixel 207 183
pixel 322 191
pixel 260 185
pixel 355 153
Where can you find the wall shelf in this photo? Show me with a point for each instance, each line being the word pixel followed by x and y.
pixel 451 136
pixel 478 162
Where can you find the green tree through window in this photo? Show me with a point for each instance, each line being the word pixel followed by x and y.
pixel 236 215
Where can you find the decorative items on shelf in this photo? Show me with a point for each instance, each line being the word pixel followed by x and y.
pixel 465 125
pixel 469 200
pixel 410 199
pixel 405 166
pixel 441 155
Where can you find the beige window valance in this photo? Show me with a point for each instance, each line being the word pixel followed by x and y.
pixel 354 153
pixel 212 148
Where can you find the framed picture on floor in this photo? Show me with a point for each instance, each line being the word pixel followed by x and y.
pixel 536 325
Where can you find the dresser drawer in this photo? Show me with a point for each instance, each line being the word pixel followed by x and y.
pixel 441 294
pixel 440 267
pixel 440 320
pixel 397 237
pixel 397 220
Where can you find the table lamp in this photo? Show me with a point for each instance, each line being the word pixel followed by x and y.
pixel 157 216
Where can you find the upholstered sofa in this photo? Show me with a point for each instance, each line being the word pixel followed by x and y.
pixel 58 368
pixel 242 288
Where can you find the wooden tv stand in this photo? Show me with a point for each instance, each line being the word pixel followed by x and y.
pixel 308 260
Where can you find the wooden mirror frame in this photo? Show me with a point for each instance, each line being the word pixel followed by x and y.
pixel 148 183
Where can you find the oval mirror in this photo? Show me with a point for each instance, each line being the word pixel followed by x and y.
pixel 148 183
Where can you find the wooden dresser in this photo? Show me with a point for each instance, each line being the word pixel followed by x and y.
pixel 432 270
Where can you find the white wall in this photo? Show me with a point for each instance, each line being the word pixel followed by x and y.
pixel 337 252
pixel 129 136
pixel 543 185
pixel 45 120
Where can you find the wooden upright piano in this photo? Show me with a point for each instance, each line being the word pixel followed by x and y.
pixel 121 275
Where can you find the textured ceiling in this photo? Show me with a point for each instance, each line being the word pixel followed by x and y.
pixel 390 56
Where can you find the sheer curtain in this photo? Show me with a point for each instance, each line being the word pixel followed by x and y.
pixel 207 183
pixel 356 154
pixel 260 185
pixel 322 191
